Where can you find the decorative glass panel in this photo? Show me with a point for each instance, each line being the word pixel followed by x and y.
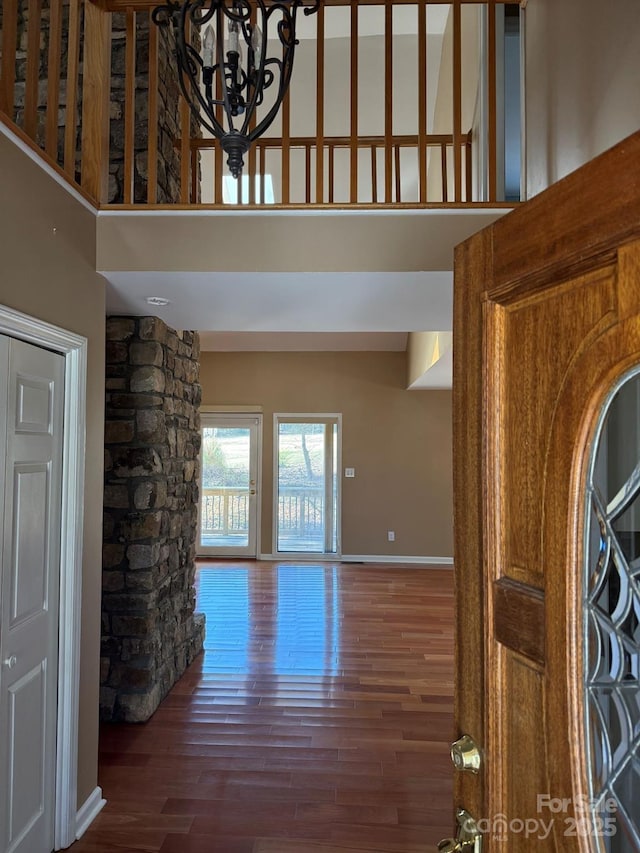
pixel 612 622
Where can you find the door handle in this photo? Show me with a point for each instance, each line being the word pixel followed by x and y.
pixel 10 662
pixel 469 839
pixel 252 491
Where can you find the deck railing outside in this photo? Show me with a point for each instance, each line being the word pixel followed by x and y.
pixel 225 512
pixel 80 81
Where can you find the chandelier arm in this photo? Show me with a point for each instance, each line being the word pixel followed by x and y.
pixel 185 62
pixel 222 10
pixel 259 87
pixel 285 65
pixel 285 79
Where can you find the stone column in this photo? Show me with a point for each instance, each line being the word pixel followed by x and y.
pixel 152 440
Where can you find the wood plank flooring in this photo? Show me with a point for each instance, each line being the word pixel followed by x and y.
pixel 318 720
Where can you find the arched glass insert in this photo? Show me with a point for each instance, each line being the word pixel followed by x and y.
pixel 612 622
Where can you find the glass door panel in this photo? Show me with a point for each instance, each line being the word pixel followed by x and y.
pixel 612 622
pixel 229 491
pixel 307 485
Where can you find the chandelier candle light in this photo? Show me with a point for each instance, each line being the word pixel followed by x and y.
pixel 225 85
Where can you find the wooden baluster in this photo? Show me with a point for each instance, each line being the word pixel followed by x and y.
pixel 263 170
pixel 388 101
pixel 95 102
pixel 422 99
pixel 195 152
pixel 8 67
pixel 286 149
pixel 73 62
pixel 320 106
pixel 307 171
pixel 374 174
pixel 457 100
pixel 53 81
pixel 492 98
pixel 353 192
pixel 9 38
pixel 445 179
pixel 129 106
pixel 331 171
pixel 469 167
pixel 397 176
pixel 152 144
pixel 33 69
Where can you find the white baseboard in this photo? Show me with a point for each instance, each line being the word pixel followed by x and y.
pixel 389 558
pixel 88 811
pixel 359 558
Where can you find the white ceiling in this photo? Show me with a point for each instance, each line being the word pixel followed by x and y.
pixel 287 301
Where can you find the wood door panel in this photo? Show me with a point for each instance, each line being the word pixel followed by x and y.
pixel 546 319
pixel 519 618
pixel 526 334
pixel 518 785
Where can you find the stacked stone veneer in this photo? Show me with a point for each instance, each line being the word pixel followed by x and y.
pixel 152 439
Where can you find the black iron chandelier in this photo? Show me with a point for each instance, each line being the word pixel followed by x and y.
pixel 225 81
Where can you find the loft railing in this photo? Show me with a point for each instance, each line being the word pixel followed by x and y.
pixel 299 184
pixel 90 87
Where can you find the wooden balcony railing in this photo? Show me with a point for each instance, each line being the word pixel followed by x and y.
pixel 301 174
pixel 370 120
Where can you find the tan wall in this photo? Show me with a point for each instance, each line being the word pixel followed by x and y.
pixel 398 441
pixel 581 83
pixel 51 275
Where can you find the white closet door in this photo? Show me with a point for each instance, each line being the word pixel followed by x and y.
pixel 31 412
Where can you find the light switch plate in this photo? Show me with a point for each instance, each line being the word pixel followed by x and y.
pixel 349 472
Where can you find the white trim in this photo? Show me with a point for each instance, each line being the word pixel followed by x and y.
pixel 386 558
pixel 42 163
pixel 230 410
pixel 236 415
pixel 273 210
pixel 307 557
pixel 88 811
pixel 302 557
pixel 74 348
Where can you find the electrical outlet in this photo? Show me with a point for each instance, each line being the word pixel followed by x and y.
pixel 391 535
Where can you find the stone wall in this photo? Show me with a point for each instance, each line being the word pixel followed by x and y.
pixel 152 439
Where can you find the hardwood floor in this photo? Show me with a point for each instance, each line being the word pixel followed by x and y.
pixel 318 720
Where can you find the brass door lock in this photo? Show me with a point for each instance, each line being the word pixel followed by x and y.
pixel 469 839
pixel 465 754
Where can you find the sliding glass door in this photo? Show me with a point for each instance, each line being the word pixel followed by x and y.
pixel 307 500
pixel 229 494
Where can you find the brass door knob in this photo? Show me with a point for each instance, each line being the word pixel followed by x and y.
pixel 469 839
pixel 465 754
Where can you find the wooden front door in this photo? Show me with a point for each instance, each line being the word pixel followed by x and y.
pixel 546 319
